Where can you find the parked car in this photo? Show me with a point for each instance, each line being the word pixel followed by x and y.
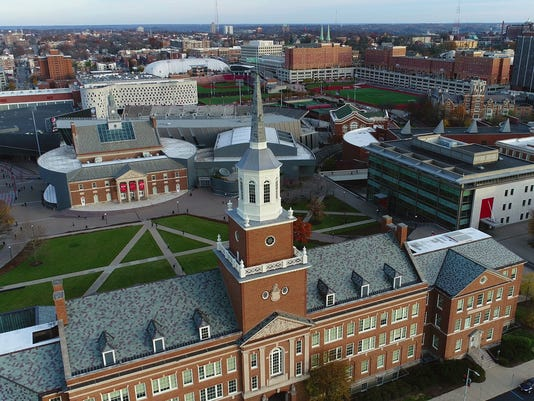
pixel 527 386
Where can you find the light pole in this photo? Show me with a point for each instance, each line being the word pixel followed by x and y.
pixel 10 252
pixel 468 381
pixel 106 217
pixel 36 134
pixel 177 207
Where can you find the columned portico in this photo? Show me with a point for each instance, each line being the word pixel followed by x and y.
pixel 131 186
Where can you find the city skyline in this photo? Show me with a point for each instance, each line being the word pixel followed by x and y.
pixel 264 12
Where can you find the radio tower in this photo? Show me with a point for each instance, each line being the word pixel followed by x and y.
pixel 217 16
pixel 456 28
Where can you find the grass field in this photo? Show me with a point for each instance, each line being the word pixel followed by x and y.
pixel 195 225
pixel 138 274
pixel 375 96
pixel 146 247
pixel 332 220
pixel 177 243
pixel 198 262
pixel 71 254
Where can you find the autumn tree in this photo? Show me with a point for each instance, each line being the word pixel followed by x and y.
pixel 329 382
pixel 34 233
pixel 316 208
pixel 301 231
pixel 6 220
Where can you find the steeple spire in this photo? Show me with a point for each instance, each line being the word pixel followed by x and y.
pixel 258 139
pixel 328 34
pixel 321 38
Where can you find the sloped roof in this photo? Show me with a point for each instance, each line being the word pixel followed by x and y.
pixel 88 138
pixel 125 314
pixel 366 256
pixel 456 273
pixel 36 369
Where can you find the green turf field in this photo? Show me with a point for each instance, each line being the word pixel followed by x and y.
pixel 375 96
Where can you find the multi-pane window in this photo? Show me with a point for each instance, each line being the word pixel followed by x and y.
pixel 489 296
pixel 164 384
pixel 413 329
pixel 350 328
pixel 467 322
pixel 332 355
pixel 333 334
pixel 477 318
pixel 330 299
pixel 253 360
pixel 315 339
pixel 480 299
pixel 457 324
pixel 383 319
pixel 276 361
pixel 460 305
pixel 187 377
pixel 507 310
pixel 397 334
pixel 395 357
pixel 232 386
pixel 435 341
pixel 108 357
pixel 298 369
pixel 314 360
pixel 211 369
pixel 470 301
pixel 117 395
pixel 251 192
pixel 211 393
pixel 489 334
pixel 254 383
pixel 380 361
pixel 415 309
pixel 140 391
pixel 499 293
pixel 439 301
pixel 382 339
pixel 437 320
pixel 189 397
pixel 399 314
pixel 411 351
pixel 266 192
pixel 349 350
pixel 368 323
pixel 511 292
pixel 496 312
pixel 458 345
pixel 514 273
pixel 366 344
pixel 364 366
pixel 231 364
pixel 486 315
pixel 298 347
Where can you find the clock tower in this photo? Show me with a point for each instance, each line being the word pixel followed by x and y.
pixel 262 270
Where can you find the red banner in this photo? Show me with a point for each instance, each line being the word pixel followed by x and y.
pixel 133 185
pixel 141 185
pixel 123 187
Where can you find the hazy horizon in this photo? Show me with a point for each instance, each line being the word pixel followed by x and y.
pixel 134 12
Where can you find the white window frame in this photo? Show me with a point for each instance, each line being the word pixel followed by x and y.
pixel 298 347
pixel 164 384
pixel 231 364
pixel 204 332
pixel 209 370
pixel 253 360
pixel 298 369
pixel 254 383
pixel 380 361
pixel 187 377
pixel 276 362
pixel 330 299
pixel 315 339
pixel 349 349
pixel 155 342
pixel 351 327
pixel 367 323
pixel 140 391
pixel 104 357
pixel 216 389
pixel 333 334
pixel 232 386
pixel 116 395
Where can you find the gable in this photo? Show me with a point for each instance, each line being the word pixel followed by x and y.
pixel 487 279
pixel 275 325
pixel 130 174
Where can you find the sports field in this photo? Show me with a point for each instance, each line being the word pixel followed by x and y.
pixel 374 96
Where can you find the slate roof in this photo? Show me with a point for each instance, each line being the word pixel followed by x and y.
pixel 258 159
pixel 87 139
pixel 38 370
pixel 333 264
pixel 125 314
pixel 273 316
pixel 453 268
pixel 27 317
pixel 106 170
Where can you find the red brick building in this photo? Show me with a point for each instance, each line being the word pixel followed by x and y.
pixel 325 55
pixel 55 66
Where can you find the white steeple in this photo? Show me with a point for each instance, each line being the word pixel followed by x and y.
pixel 258 171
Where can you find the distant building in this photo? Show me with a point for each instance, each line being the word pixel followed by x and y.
pixel 134 90
pixel 185 67
pixel 453 183
pixel 521 148
pixel 7 63
pixel 350 117
pixel 523 71
pixel 55 66
pixel 254 49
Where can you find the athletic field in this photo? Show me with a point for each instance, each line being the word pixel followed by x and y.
pixel 374 96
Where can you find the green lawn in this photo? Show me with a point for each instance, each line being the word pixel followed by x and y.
pixel 177 243
pixel 195 225
pixel 375 96
pixel 146 247
pixel 333 204
pixel 145 273
pixel 224 99
pixel 41 294
pixel 332 220
pixel 71 254
pixel 198 262
pixel 364 229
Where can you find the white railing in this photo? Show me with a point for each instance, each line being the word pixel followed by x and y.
pixel 301 257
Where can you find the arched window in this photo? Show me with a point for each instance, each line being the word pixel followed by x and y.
pixel 266 192
pixel 345 128
pixel 252 192
pixel 277 361
pixel 354 125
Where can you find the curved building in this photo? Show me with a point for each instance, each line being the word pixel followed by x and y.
pixel 165 68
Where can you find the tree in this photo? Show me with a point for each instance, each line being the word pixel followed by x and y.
pixel 316 208
pixel 329 382
pixel 301 231
pixel 6 220
pixel 35 234
pixel 527 285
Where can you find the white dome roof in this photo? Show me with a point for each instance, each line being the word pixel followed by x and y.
pixel 164 68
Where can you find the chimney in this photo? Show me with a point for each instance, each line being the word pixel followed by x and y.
pixel 154 122
pixel 385 221
pixel 401 233
pixel 73 129
pixel 59 301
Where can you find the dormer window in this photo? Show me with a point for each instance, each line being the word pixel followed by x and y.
pixel 362 285
pixel 108 357
pixel 364 291
pixel 326 292
pixel 394 276
pixel 106 347
pixel 397 282
pixel 202 324
pixel 158 344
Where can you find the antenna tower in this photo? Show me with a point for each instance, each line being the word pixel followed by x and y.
pixel 216 15
pixel 456 28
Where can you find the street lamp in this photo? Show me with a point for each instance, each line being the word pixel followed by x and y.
pixel 177 207
pixel 468 381
pixel 106 217
pixel 10 252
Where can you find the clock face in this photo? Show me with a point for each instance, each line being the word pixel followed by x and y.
pixel 269 240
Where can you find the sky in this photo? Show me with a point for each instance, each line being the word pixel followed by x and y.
pixel 139 12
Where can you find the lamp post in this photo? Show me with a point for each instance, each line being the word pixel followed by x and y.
pixel 468 381
pixel 106 217
pixel 177 207
pixel 10 252
pixel 36 133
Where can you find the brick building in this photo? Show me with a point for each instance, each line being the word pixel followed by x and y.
pixel 349 117
pixel 322 56
pixel 55 66
pixel 254 328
